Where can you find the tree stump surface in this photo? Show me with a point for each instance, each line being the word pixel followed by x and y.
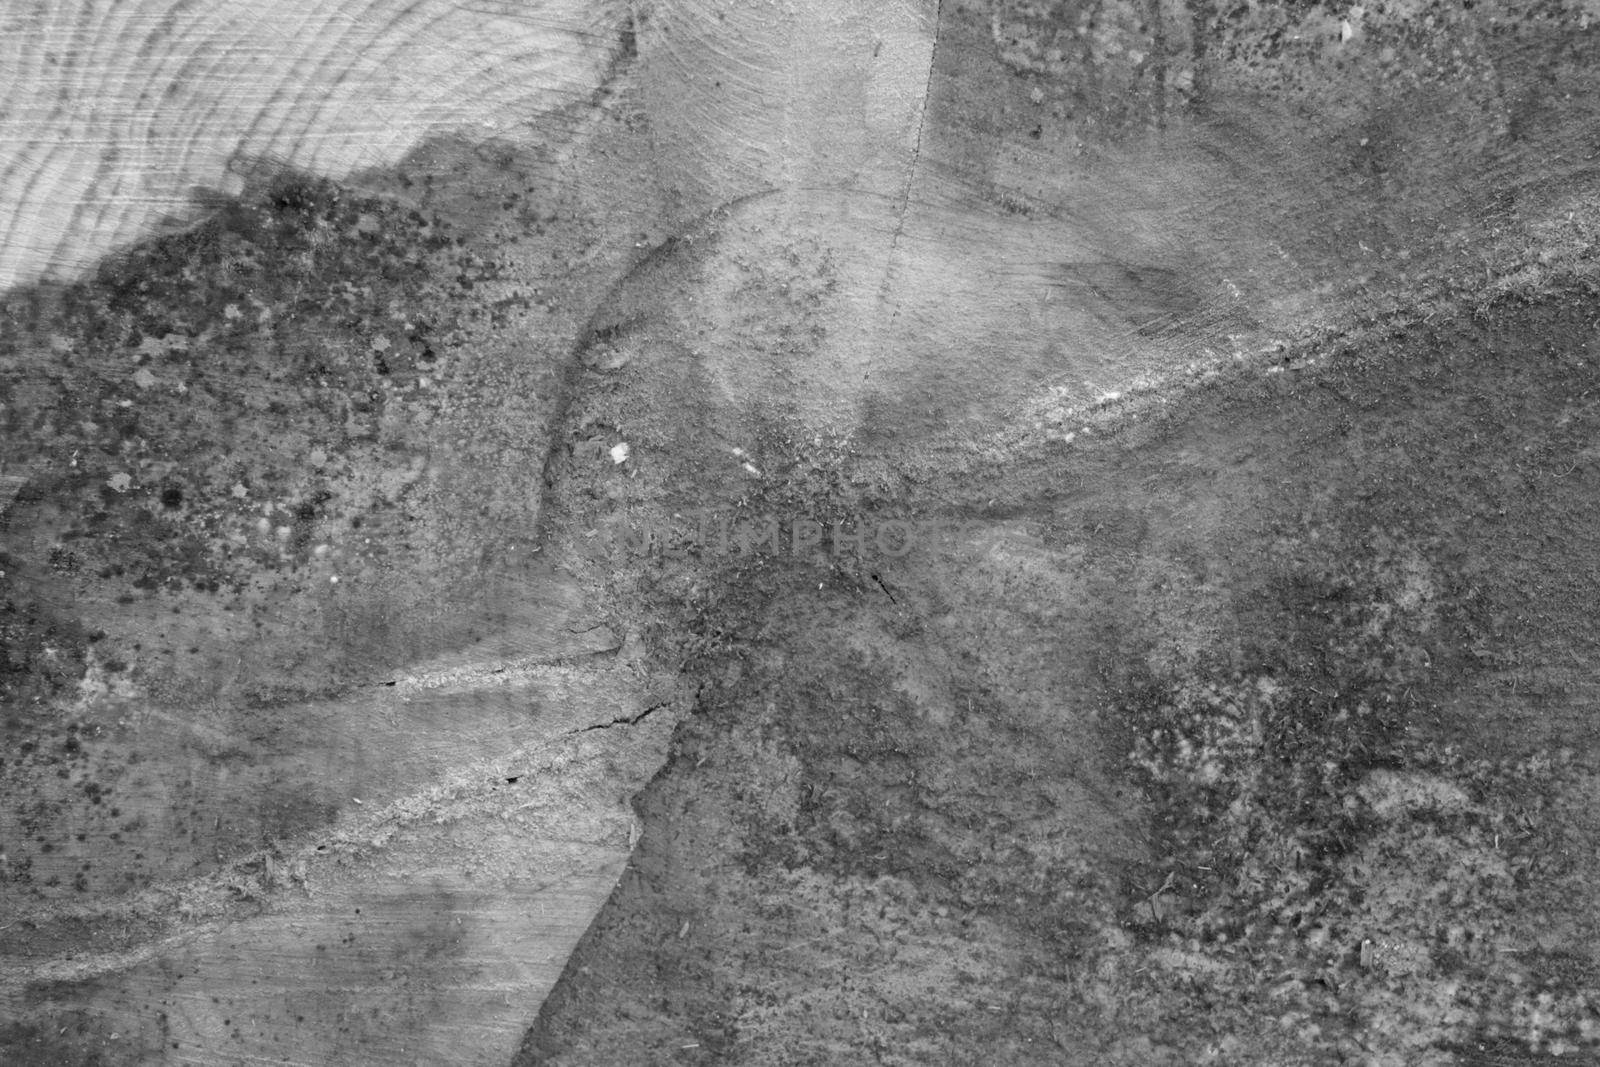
pixel 373 692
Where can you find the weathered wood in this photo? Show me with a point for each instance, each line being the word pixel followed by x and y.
pixel 419 930
pixel 339 779
pixel 325 441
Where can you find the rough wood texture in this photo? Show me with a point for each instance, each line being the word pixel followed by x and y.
pixel 1066 269
pixel 309 751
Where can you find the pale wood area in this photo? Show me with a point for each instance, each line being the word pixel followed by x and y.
pixel 113 115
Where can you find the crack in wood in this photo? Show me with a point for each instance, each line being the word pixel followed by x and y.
pixel 623 720
pixel 911 171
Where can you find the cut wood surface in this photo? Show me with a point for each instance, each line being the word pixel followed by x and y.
pixel 118 116
pixel 417 926
pixel 347 777
pixel 327 326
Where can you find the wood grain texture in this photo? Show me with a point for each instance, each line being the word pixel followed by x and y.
pixel 115 113
pixel 367 783
pixel 327 440
pixel 408 931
